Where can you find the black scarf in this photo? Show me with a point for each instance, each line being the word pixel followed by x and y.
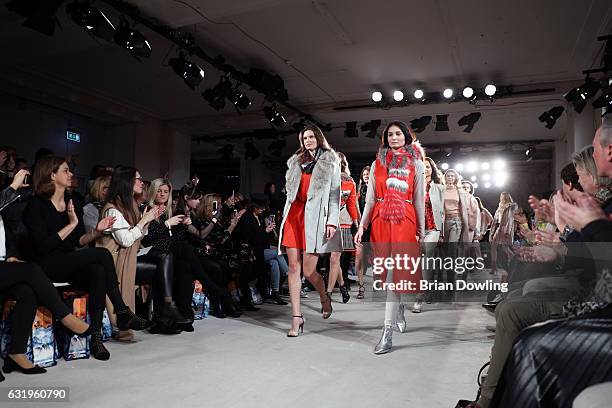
pixel 308 162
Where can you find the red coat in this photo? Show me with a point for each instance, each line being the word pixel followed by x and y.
pixel 348 201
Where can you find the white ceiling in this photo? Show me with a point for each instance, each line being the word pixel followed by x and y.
pixel 330 54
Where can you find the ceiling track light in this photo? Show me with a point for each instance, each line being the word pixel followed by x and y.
pixel 91 19
pixel 448 93
pixel 578 96
pixel 398 96
pixel 377 96
pixel 191 72
pixel 132 40
pixel 419 95
pixel 490 90
pixel 550 117
pixel 274 116
pixel 604 100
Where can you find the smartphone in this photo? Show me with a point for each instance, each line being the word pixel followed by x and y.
pixel 215 207
pixel 27 179
pixel 272 218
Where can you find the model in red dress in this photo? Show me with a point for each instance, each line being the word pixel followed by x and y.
pixel 395 209
pixel 349 215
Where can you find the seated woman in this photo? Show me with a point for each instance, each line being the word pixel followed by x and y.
pixel 123 241
pixel 28 285
pixel 185 231
pixel 55 229
pixel 255 233
pixel 97 195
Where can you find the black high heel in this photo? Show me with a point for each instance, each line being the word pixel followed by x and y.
pixel 126 319
pixel 326 315
pixel 300 328
pixel 344 290
pixel 10 365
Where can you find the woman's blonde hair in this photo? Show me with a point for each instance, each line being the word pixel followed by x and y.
pixel 152 192
pixel 505 198
pixel 458 177
pixel 95 191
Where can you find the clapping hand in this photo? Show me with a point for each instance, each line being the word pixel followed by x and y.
pixel 176 220
pixel 584 211
pixel 72 217
pixel 105 223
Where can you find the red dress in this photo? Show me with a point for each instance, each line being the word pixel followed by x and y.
pixel 392 239
pixel 294 232
pixel 348 197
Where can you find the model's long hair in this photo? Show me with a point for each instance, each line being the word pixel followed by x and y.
pixel 435 173
pixel 344 166
pixel 408 133
pixel 121 193
pixel 321 140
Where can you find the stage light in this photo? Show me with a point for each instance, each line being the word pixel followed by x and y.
pixel 274 116
pixel 499 165
pixel 469 121
pixel 472 167
pixel 475 185
pixel 578 96
pixel 468 92
pixel 444 166
pixel 351 130
pixel 473 178
pixel 191 73
pixel 459 167
pixel 550 117
pixel 40 15
pixel 419 124
pixel 449 153
pixel 490 90
pixel 239 99
pixel 377 96
pixel 442 123
pixel 398 96
pixel 419 94
pixel 485 166
pixel 487 185
pixel 371 127
pixel 530 153
pixel 448 93
pixel 92 20
pixel 604 100
pixel 486 177
pixel 500 179
pixel 132 40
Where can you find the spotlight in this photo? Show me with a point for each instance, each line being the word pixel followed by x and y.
pixel 486 177
pixel 40 15
pixel 604 100
pixel 550 117
pixel 92 20
pixel 448 93
pixel 351 130
pixel 499 164
pixel 274 116
pixel 578 96
pixel 377 96
pixel 468 92
pixel 371 127
pixel 530 153
pixel 398 96
pixel 226 151
pixel 419 94
pixel 490 90
pixel 250 150
pixel 472 167
pixel 442 123
pixel 487 184
pixel 501 179
pixel 459 167
pixel 485 166
pixel 238 98
pixel 444 166
pixel 475 185
pixel 419 125
pixel 469 121
pixel 191 73
pixel 473 178
pixel 132 40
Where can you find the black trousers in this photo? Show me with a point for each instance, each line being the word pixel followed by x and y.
pixel 28 285
pixel 156 267
pixel 92 269
pixel 211 274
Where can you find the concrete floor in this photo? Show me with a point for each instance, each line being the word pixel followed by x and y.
pixel 249 362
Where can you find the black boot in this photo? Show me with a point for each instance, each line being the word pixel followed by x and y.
pixel 229 309
pixel 215 310
pixel 275 296
pixel 98 351
pixel 126 320
pixel 171 311
pixel 246 303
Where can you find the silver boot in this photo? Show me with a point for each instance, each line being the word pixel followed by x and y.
pixel 384 344
pixel 400 320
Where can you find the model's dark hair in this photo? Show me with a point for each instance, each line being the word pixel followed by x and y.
pixel 318 133
pixel 435 173
pixel 121 193
pixel 408 133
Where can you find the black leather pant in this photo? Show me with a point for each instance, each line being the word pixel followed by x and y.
pixel 156 267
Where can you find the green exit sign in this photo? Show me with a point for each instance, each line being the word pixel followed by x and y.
pixel 73 136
